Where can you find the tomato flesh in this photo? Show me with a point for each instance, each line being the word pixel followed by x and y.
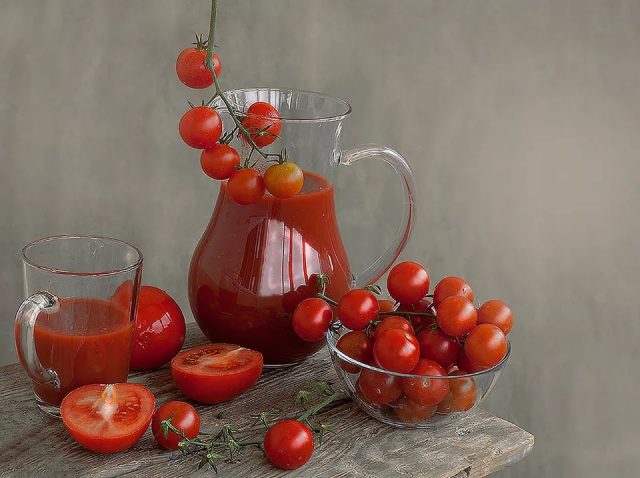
pixel 216 373
pixel 108 418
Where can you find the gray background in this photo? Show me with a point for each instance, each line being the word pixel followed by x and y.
pixel 519 118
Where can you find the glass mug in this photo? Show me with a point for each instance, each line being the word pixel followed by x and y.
pixel 256 263
pixel 75 326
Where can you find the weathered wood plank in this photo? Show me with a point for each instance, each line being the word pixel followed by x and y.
pixel 32 444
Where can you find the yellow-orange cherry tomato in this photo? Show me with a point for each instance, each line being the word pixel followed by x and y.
pixel 284 180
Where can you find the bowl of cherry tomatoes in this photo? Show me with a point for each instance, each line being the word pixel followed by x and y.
pixel 419 360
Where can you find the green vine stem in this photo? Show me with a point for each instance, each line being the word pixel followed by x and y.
pixel 218 90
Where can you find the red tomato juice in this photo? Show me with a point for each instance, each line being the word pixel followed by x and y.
pixel 86 341
pixel 255 263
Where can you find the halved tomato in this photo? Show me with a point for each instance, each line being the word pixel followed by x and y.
pixel 108 418
pixel 216 373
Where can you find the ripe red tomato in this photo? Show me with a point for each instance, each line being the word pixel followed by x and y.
pixel 461 396
pixel 158 330
pixel 219 161
pixel 246 186
pixel 200 127
pixel 357 308
pixel 412 412
pixel 485 346
pixel 426 391
pixel 392 322
pixel 408 282
pixel 450 286
pixel 311 319
pixel 378 388
pixel 396 350
pixel 456 316
pixel 497 313
pixel 465 364
pixel 288 444
pixel 357 345
pixel 216 373
pixel 386 305
pixel 107 418
pixel 262 123
pixel 191 69
pixel 183 416
pixel 284 180
pixel 439 347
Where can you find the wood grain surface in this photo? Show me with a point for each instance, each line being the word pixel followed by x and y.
pixel 34 444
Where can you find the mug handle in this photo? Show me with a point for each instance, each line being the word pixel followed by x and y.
pixel 26 316
pixel 402 169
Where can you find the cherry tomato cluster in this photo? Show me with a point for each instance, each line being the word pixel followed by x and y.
pixel 201 128
pixel 442 334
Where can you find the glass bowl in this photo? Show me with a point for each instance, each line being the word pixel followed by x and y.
pixel 471 389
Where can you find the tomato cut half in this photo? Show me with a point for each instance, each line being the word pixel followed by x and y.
pixel 216 373
pixel 108 418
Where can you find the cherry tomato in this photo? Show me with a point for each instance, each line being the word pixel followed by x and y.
pixel 439 347
pixel 485 346
pixel 246 186
pixel 461 396
pixel 183 416
pixel 200 127
pixel 220 161
pixel 412 412
pixel 408 282
pixel 357 345
pixel 392 322
pixel 216 373
pixel 386 305
pixel 497 313
pixel 378 388
pixel 449 286
pixel 396 350
pixel 357 308
pixel 107 418
pixel 158 330
pixel 456 316
pixel 288 444
pixel 284 180
pixel 428 390
pixel 311 319
pixel 191 68
pixel 262 123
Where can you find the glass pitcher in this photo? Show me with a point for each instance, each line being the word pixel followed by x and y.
pixel 255 263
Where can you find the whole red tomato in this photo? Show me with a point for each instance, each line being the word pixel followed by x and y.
pixel 428 390
pixel 357 345
pixel 408 282
pixel 497 313
pixel 262 123
pixel 378 388
pixel 456 316
pixel 158 329
pixel 191 69
pixel 485 346
pixel 396 350
pixel 288 444
pixel 449 286
pixel 183 416
pixel 200 127
pixel 246 186
pixel 311 319
pixel 220 161
pixel 439 347
pixel 357 308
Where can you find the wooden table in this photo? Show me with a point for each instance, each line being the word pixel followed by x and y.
pixel 34 444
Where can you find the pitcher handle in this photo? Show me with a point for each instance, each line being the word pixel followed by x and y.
pixel 402 169
pixel 26 316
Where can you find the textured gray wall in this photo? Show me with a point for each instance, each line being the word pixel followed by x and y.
pixel 520 118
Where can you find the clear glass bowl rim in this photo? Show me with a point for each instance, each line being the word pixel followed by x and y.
pixel 332 344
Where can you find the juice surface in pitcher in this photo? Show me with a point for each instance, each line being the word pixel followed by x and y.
pixel 86 341
pixel 255 263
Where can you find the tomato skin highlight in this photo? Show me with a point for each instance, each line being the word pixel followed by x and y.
pixel 215 373
pixel 396 350
pixel 107 419
pixel 200 127
pixel 183 416
pixel 288 444
pixel 497 313
pixel 450 286
pixel 191 68
pixel 311 319
pixel 246 186
pixel 456 316
pixel 220 161
pixel 357 308
pixel 408 282
pixel 158 330
pixel 284 180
